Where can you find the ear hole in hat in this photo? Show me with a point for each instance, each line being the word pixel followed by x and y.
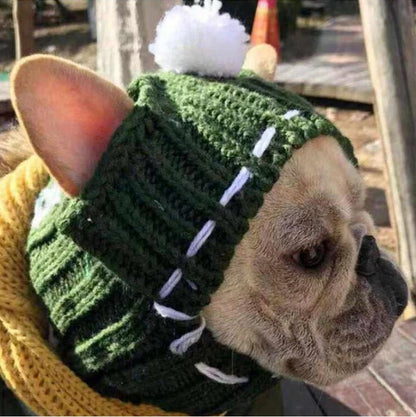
pixel 262 60
pixel 69 114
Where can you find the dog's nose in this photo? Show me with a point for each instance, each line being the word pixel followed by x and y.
pixel 390 277
pixel 381 272
pixel 368 257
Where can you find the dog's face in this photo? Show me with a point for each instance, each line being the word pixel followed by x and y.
pixel 291 298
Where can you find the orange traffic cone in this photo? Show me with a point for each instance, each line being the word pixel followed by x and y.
pixel 266 25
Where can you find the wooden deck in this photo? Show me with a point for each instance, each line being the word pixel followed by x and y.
pixel 329 62
pixel 388 385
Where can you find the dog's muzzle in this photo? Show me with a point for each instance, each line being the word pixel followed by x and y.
pixel 382 273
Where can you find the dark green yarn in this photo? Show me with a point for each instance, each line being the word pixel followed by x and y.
pixel 99 261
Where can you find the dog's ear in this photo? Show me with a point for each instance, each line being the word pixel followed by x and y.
pixel 262 60
pixel 69 114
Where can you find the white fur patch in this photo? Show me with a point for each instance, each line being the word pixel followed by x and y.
pixel 198 39
pixel 48 198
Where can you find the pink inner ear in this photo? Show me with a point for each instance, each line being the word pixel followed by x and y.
pixel 70 115
pixel 85 119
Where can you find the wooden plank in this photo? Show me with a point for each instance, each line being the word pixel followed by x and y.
pixel 390 42
pixel 399 347
pixel 394 380
pixel 336 66
pixel 23 20
pixel 347 93
pixel 363 394
pixel 395 366
pixel 388 385
pixel 408 329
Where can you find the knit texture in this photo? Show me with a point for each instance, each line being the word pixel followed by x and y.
pixel 98 262
pixel 28 365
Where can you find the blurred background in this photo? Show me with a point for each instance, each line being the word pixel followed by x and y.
pixel 322 57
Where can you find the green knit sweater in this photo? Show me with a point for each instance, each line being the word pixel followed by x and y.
pixel 100 262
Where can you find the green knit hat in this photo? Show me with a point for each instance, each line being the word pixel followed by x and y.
pixel 125 269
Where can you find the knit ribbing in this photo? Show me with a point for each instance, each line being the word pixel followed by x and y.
pixel 99 262
pixel 27 363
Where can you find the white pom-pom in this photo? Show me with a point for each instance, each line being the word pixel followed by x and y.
pixel 198 39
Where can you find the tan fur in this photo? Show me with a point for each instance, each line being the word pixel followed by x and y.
pixel 262 59
pixel 69 113
pixel 316 325
pixel 14 148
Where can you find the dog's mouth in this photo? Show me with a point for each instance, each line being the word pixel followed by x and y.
pixel 383 275
pixel 348 348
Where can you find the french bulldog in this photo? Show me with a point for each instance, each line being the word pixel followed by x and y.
pixel 308 294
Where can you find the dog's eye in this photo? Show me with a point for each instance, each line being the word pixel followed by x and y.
pixel 311 257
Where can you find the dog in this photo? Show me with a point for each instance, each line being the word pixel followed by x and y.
pixel 295 296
